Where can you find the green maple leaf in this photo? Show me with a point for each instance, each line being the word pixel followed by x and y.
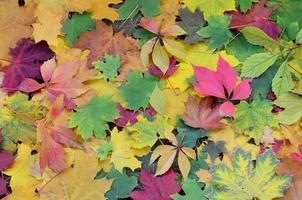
pixel 191 23
pixel 149 8
pixel 192 191
pixel 16 114
pixel 198 164
pixel 76 25
pixel 246 182
pixel 92 118
pixel 121 186
pixel 245 5
pixel 292 102
pixel 252 118
pixel 108 66
pixel 138 90
pixel 217 31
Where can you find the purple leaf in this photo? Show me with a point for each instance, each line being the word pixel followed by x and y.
pixel 6 160
pixel 126 116
pixel 27 60
pixel 157 72
pixel 3 188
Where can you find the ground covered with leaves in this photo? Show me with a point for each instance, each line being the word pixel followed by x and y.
pixel 151 99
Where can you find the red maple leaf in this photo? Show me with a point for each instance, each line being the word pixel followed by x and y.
pixel 257 16
pixel 27 59
pixel 6 160
pixel 156 188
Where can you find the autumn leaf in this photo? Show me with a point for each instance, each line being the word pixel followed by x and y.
pixel 192 190
pixel 246 181
pixel 58 79
pixel 222 84
pixel 27 58
pixel 21 18
pixel 156 187
pixel 95 114
pixel 149 8
pixel 201 115
pixel 252 118
pixel 138 90
pixel 159 46
pixel 102 41
pixel 76 25
pixel 74 180
pixel 168 153
pixel 6 160
pixel 18 115
pixel 108 66
pixel 258 16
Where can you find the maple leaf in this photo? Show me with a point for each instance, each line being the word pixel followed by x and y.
pixel 192 190
pixel 122 185
pixel 104 10
pixel 52 136
pixel 246 181
pixel 222 84
pixel 245 5
pixel 154 70
pixel 126 116
pixel 108 66
pixel 201 114
pixel 74 181
pixel 211 7
pixel 155 188
pixel 104 150
pixel 146 133
pixel 168 153
pixel 161 45
pixel 27 58
pixel 125 150
pixel 258 16
pixel 18 118
pixel 6 160
pixel 76 25
pixel 102 41
pixel 92 118
pixel 58 79
pixel 22 182
pixel 217 31
pixel 252 118
pixel 191 23
pixel 149 8
pixel 14 25
pixel 138 90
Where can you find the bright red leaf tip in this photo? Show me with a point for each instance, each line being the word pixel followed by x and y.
pixel 156 188
pixel 6 160
pixel 258 16
pixel 222 84
pixel 171 70
pixel 27 59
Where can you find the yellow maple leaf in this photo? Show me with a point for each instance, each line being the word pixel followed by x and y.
pixel 75 179
pixel 124 150
pixel 101 10
pixel 175 104
pixel 210 7
pixel 22 183
pixel 15 23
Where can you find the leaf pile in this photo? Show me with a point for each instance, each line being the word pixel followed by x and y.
pixel 150 99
